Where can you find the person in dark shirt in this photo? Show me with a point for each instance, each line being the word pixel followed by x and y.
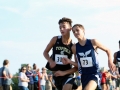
pixel 35 77
pixel 29 74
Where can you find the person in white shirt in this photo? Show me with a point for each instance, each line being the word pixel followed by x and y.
pixel 43 77
pixel 23 79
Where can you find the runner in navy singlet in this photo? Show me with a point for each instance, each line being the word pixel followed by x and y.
pixel 117 61
pixel 86 58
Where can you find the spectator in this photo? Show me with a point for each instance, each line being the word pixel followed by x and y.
pixel 44 77
pixel 118 79
pixel 48 85
pixel 78 79
pixel 35 77
pixel 109 80
pixel 29 74
pixel 1 88
pixel 78 82
pixel 114 78
pixel 11 84
pixel 103 79
pixel 23 79
pixel 39 76
pixel 6 81
pixel 10 87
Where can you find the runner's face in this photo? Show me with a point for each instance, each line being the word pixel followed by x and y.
pixel 64 28
pixel 78 32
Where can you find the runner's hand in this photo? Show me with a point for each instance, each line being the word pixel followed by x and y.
pixel 112 66
pixel 65 61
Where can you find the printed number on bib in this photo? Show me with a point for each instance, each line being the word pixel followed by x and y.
pixel 58 58
pixel 86 62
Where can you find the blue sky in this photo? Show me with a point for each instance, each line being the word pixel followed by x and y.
pixel 26 27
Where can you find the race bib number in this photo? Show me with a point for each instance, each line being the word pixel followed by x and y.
pixel 58 58
pixel 86 62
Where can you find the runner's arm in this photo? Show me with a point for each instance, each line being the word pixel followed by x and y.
pixel 75 58
pixel 48 48
pixel 96 44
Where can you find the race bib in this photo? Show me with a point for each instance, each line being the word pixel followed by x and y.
pixel 58 58
pixel 86 62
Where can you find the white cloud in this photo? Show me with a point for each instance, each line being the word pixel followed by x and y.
pixel 80 3
pixel 11 9
pixel 105 29
pixel 37 6
pixel 112 17
pixel 24 47
pixel 23 52
pixel 93 3
pixel 33 8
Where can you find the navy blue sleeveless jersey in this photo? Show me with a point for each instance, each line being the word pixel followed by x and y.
pixel 87 60
pixel 118 60
pixel 60 50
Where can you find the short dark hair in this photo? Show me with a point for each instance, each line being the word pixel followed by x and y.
pixel 79 25
pixel 34 64
pixel 5 62
pixel 119 41
pixel 64 19
pixel 43 68
pixel 20 70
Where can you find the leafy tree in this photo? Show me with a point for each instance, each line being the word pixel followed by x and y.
pixel 49 72
pixel 15 82
pixel 23 65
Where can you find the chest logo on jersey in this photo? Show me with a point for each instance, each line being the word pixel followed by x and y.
pixel 62 52
pixel 63 49
pixel 85 60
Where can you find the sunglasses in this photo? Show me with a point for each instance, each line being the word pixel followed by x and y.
pixel 23 69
